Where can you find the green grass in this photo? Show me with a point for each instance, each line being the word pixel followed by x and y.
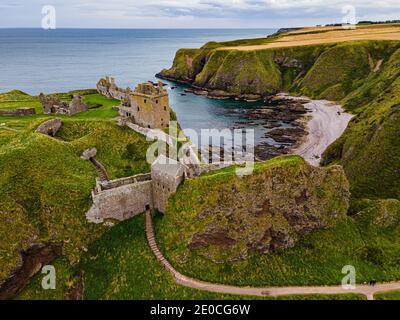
pixel 120 265
pixel 369 240
pixel 65 281
pixel 45 188
pixel 369 150
pixel 392 295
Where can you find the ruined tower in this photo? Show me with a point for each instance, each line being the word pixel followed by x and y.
pixel 166 175
pixel 149 106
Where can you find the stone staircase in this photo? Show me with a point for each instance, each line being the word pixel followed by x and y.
pixel 153 245
pixel 103 175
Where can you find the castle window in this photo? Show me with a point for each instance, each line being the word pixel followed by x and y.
pixel 165 108
pixel 138 109
pixel 157 101
pixel 145 100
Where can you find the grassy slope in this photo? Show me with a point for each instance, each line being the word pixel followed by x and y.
pixel 45 186
pixel 120 265
pixel 369 150
pixel 392 295
pixel 369 241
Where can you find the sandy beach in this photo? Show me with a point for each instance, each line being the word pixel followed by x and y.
pixel 327 123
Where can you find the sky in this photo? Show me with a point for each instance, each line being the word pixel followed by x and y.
pixel 193 13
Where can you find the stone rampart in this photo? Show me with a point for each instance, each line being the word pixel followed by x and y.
pixel 18 112
pixel 121 199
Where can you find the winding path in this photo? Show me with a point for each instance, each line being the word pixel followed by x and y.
pixel 180 279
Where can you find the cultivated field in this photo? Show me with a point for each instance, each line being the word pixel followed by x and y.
pixel 320 35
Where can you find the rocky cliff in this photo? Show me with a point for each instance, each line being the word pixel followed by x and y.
pixel 323 70
pixel 361 75
pixel 224 217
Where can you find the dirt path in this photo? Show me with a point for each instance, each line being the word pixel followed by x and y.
pixel 180 279
pixel 328 122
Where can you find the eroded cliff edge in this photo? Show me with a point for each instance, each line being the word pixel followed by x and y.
pixel 229 217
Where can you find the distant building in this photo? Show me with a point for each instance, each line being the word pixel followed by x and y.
pixel 147 105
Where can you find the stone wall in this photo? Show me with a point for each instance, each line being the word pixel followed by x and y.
pixel 121 201
pixel 77 105
pixel 53 105
pixel 107 87
pixel 166 175
pixel 18 112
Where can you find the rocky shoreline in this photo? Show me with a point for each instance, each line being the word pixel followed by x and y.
pixel 294 125
pixel 211 93
pixel 285 120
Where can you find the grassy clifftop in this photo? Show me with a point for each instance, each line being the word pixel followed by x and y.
pixel 44 185
pixel 323 70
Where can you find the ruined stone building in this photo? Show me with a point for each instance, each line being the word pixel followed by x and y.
pixel 167 175
pixel 125 198
pixel 53 105
pixel 147 105
pixel 108 88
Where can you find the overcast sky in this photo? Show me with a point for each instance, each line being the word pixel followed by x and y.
pixel 192 13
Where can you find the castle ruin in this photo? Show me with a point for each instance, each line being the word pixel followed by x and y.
pixel 53 105
pixel 125 198
pixel 147 105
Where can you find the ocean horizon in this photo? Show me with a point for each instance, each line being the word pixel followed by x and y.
pixel 37 60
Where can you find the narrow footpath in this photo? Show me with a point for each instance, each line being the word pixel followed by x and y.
pixel 180 279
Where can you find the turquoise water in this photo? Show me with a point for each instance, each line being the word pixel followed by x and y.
pixel 35 60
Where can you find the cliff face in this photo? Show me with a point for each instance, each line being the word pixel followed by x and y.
pixel 362 76
pixel 318 70
pixel 224 217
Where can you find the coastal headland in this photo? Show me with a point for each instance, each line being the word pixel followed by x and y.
pixel 290 227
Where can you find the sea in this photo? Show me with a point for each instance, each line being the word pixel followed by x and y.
pixel 36 60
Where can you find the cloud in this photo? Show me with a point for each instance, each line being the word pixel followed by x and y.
pixel 172 13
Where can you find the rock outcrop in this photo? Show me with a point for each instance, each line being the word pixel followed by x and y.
pixel 230 217
pixel 50 127
pixel 322 70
